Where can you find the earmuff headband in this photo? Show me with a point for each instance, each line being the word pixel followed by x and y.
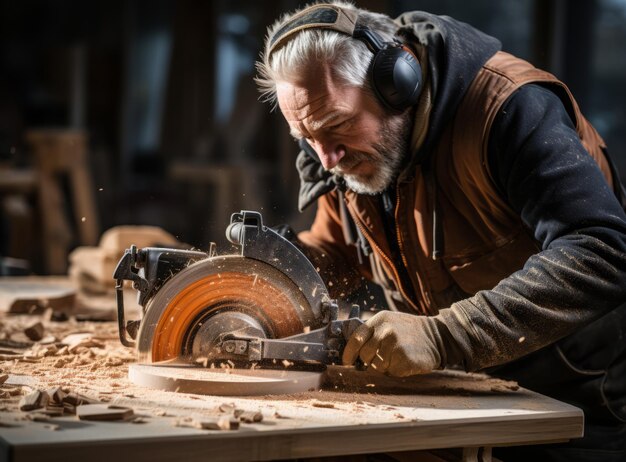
pixel 321 16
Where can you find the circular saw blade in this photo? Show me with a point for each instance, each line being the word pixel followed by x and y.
pixel 217 285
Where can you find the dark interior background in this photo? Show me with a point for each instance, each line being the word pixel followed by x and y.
pixel 177 138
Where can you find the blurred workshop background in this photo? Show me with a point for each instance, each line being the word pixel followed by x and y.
pixel 145 112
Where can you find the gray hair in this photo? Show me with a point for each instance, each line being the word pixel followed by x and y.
pixel 349 58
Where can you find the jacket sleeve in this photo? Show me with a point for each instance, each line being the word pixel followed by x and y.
pixel 545 175
pixel 325 246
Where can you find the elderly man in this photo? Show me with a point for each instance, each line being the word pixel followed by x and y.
pixel 468 184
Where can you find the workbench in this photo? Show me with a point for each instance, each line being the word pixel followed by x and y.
pixel 372 414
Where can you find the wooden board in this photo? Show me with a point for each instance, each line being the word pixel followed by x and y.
pixel 440 410
pixel 222 382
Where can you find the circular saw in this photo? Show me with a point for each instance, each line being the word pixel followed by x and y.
pixel 263 305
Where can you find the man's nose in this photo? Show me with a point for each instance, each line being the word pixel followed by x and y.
pixel 330 154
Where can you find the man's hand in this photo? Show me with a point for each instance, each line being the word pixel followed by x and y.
pixel 396 344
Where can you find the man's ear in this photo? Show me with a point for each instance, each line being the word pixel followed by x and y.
pixel 306 147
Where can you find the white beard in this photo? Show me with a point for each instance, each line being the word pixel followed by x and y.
pixel 387 160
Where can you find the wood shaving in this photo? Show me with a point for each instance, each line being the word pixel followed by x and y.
pixel 323 405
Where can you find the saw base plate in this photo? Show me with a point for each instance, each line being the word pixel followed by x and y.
pixel 187 378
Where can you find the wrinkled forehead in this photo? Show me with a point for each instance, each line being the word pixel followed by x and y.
pixel 302 97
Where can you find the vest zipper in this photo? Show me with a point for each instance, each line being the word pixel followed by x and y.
pixel 398 234
pixel 425 293
pixel 437 231
pixel 385 257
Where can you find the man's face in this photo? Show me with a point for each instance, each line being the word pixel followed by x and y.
pixel 349 130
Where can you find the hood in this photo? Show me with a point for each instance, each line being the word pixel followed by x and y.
pixel 456 52
pixel 315 181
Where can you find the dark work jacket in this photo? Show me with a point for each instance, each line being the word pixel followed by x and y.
pixel 529 208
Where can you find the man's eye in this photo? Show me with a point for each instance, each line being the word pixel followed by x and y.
pixel 337 125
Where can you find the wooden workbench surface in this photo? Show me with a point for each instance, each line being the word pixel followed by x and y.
pixel 440 410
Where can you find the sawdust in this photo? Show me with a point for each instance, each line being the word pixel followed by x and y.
pixel 85 357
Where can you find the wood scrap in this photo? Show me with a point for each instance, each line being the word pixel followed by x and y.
pixel 103 412
pixel 56 316
pixel 35 331
pixel 250 417
pixel 76 341
pixel 504 388
pixel 35 400
pixel 219 423
pixel 14 344
pixel 208 423
pixel 34 306
pixel 76 399
pixel 57 395
pixel 3 378
pixel 23 295
pixel 323 405
pixel 47 340
pixel 227 408
pixel 40 351
pixel 243 415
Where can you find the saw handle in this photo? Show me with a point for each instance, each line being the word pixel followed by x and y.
pixel 323 346
pixel 121 319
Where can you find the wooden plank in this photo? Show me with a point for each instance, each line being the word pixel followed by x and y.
pixel 445 410
pixel 226 382
pixel 192 445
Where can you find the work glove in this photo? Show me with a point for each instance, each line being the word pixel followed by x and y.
pixel 399 344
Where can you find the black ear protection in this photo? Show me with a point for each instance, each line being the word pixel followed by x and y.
pixel 395 73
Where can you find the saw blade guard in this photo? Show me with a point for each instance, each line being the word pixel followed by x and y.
pixel 269 290
pixel 216 296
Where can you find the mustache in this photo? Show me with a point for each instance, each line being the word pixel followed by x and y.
pixel 349 161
